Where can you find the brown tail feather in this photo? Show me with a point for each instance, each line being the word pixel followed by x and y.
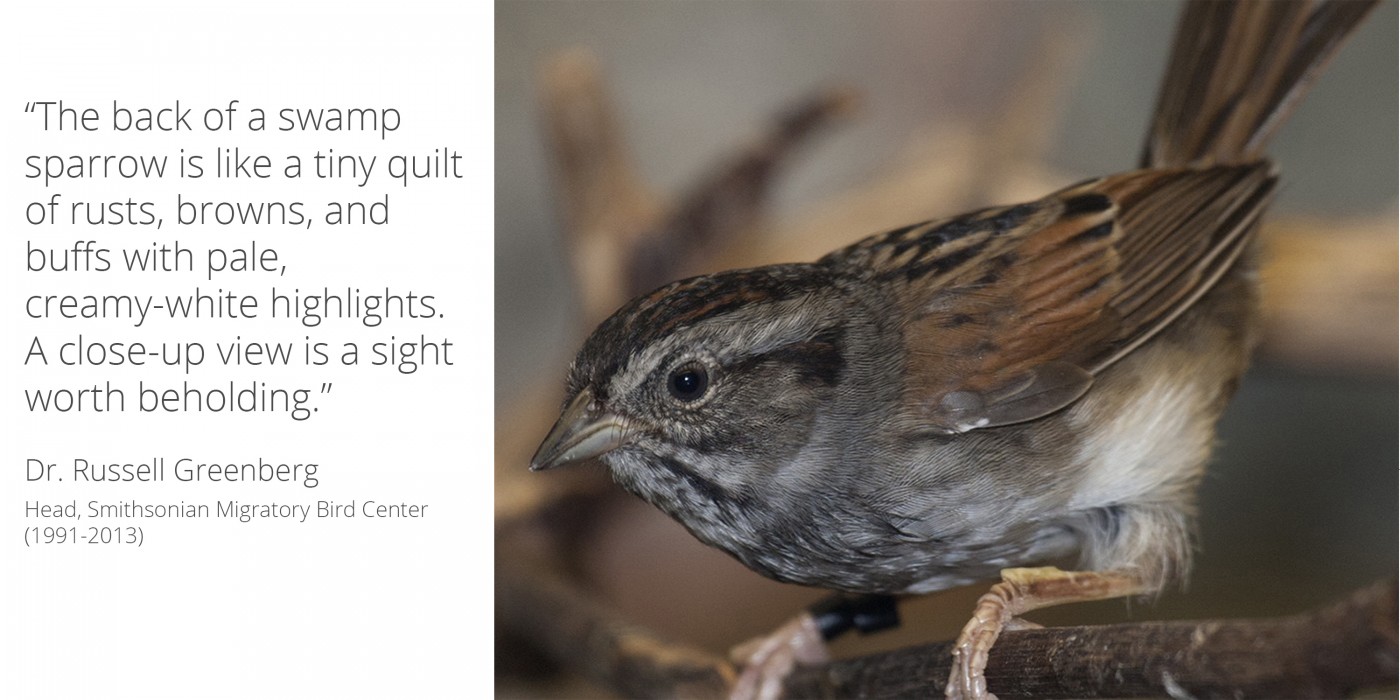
pixel 1237 71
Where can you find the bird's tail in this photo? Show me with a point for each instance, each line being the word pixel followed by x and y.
pixel 1237 71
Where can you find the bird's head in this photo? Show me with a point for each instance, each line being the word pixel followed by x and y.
pixel 701 392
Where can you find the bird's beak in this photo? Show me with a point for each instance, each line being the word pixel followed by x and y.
pixel 583 432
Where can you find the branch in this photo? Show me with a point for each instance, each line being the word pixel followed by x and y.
pixel 577 632
pixel 1330 652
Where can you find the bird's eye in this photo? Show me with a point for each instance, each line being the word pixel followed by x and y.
pixel 688 383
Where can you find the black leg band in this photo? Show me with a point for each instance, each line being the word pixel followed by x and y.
pixel 867 613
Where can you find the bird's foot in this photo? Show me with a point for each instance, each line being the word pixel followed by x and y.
pixel 1020 591
pixel 767 661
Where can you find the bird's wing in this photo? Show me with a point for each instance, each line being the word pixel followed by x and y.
pixel 1010 312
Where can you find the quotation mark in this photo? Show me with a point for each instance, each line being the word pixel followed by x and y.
pixel 28 107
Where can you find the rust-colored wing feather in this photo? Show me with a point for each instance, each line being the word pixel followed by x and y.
pixel 1009 312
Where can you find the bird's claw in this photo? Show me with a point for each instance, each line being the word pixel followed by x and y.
pixel 767 661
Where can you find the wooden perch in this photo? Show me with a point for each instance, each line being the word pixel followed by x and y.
pixel 1327 653
pixel 1331 652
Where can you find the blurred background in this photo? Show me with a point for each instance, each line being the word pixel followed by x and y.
pixel 961 105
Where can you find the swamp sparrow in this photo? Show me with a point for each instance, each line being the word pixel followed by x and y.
pixel 1023 386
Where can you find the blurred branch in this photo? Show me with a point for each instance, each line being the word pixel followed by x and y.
pixel 1329 296
pixel 606 206
pixel 1330 652
pixel 579 633
pixel 731 200
pixel 623 240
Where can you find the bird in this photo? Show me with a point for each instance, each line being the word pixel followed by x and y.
pixel 1026 392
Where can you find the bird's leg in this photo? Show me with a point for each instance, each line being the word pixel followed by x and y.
pixel 1020 591
pixel 768 660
